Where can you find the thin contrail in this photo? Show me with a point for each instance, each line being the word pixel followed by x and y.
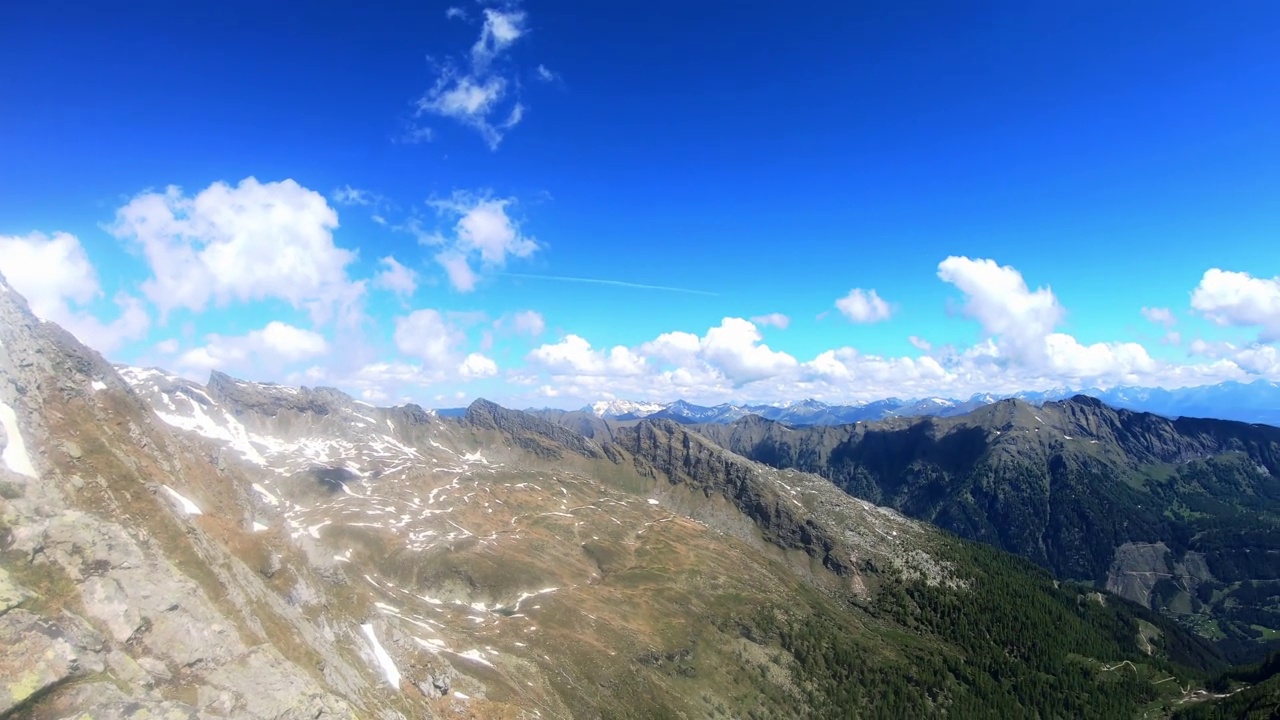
pixel 616 283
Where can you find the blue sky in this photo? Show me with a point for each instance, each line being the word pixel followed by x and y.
pixel 219 186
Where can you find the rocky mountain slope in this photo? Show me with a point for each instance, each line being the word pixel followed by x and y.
pixel 1181 515
pixel 237 549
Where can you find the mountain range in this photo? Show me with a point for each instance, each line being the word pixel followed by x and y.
pixel 1255 402
pixel 240 549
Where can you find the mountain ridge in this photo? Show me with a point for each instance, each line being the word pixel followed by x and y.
pixel 1254 402
pixel 241 549
pixel 1111 496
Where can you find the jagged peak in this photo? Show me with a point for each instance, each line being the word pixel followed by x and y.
pixel 271 398
pixel 1084 400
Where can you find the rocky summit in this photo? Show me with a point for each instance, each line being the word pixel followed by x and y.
pixel 239 549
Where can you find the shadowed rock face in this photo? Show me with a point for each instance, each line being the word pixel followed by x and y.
pixel 1065 485
pixel 668 448
pixel 544 439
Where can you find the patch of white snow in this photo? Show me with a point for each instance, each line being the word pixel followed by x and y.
pixel 389 669
pixel 184 504
pixel 15 450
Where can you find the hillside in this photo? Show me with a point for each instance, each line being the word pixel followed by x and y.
pixel 1179 515
pixel 248 550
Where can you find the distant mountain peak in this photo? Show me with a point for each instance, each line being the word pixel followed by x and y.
pixel 620 408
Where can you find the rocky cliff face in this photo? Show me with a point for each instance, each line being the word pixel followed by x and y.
pixel 121 596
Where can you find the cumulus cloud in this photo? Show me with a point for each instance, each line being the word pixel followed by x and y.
pixel 1022 324
pixel 528 322
pixel 436 341
pixel 395 277
pixel 479 91
pixel 254 241
pixel 864 306
pixel 999 299
pixel 1238 299
pixel 777 320
pixel 347 195
pixel 920 343
pixel 544 74
pixel 56 277
pixel 274 345
pixel 734 348
pixel 1160 316
pixel 483 236
pixel 424 335
pixel 574 356
pixel 1022 349
pixel 729 355
pixel 476 365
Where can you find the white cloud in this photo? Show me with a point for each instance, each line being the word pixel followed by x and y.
pixel 920 343
pixel 414 134
pixel 254 241
pixel 455 13
pixel 729 355
pixel 1259 359
pixel 424 335
pixel 998 298
pixel 1022 323
pixel 864 306
pixel 274 345
pixel 500 29
pixel 575 356
pixel 436 340
pixel 528 322
pixel 478 91
pixel 777 320
pixel 1238 299
pixel 347 195
pixel 476 365
pixel 455 265
pixel 50 272
pixel 734 348
pixel 55 276
pixel 544 74
pixel 483 231
pixel 1022 350
pixel 1160 316
pixel 167 347
pixel 395 277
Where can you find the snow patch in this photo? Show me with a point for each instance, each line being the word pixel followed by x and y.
pixel 200 423
pixel 258 527
pixel 15 450
pixel 266 495
pixel 98 385
pixel 389 669
pixel 184 504
pixel 652 501
pixel 475 655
